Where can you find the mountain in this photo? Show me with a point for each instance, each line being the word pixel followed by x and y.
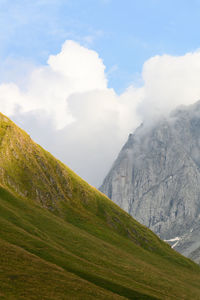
pixel 156 178
pixel 60 238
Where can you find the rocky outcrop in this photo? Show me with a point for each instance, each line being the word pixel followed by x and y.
pixel 156 178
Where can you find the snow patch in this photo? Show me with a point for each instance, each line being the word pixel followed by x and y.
pixel 176 239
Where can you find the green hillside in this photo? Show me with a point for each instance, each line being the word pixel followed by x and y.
pixel 60 238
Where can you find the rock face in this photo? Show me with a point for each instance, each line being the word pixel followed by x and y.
pixel 156 179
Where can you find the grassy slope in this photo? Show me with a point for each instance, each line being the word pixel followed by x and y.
pixel 62 239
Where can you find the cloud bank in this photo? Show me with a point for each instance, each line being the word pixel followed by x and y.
pixel 68 108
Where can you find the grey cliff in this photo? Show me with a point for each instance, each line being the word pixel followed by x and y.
pixel 156 178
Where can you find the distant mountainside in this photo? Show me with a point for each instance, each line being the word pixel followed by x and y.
pixel 156 178
pixel 60 238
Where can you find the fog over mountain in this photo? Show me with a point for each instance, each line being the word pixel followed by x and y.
pixel 156 178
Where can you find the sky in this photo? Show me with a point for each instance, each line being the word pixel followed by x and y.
pixel 80 75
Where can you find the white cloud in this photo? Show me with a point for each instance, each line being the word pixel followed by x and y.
pixel 74 70
pixel 68 108
pixel 81 66
pixel 170 81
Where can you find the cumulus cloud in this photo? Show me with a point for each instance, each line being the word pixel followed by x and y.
pixel 68 108
pixel 74 70
pixel 170 81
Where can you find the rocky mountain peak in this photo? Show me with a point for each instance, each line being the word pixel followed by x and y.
pixel 156 177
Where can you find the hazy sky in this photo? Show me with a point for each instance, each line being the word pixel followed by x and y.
pixel 80 75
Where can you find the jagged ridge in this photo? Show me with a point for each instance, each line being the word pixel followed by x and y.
pixel 156 177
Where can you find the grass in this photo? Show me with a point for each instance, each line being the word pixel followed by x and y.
pixel 60 238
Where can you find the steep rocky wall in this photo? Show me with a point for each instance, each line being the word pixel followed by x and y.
pixel 156 177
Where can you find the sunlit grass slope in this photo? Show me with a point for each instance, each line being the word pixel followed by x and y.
pixel 62 239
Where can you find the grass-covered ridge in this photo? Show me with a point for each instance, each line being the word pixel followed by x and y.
pixel 60 238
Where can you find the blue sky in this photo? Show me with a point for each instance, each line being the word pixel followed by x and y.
pixel 124 33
